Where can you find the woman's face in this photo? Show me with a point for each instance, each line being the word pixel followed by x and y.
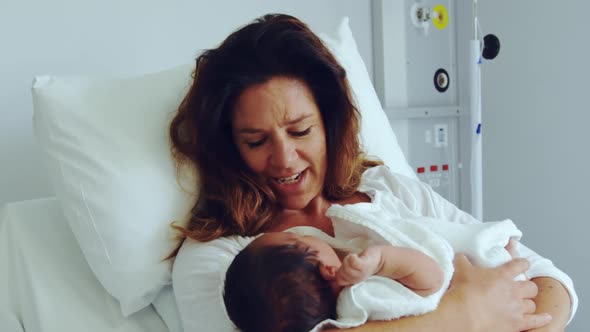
pixel 280 135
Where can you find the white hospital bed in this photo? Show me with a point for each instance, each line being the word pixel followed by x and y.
pixel 117 195
pixel 46 284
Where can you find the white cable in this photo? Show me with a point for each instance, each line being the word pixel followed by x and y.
pixel 481 35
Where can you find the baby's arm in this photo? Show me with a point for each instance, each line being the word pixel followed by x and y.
pixel 410 267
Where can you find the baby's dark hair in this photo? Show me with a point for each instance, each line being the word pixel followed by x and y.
pixel 277 288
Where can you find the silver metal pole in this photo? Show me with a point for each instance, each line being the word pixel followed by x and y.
pixel 475 19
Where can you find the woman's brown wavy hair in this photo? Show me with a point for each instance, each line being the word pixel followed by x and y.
pixel 231 201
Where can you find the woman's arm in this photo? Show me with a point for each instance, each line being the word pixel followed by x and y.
pixel 197 278
pixel 554 299
pixel 426 202
pixel 479 300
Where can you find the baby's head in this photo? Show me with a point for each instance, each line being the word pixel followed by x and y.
pixel 282 282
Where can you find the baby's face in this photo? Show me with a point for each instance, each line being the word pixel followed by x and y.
pixel 326 254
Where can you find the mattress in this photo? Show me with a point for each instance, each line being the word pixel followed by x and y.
pixel 45 283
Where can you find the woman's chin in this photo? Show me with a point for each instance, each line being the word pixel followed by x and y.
pixel 293 203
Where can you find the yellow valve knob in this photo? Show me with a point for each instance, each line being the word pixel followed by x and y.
pixel 440 17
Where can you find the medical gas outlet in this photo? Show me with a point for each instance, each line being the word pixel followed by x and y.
pixel 434 175
pixel 433 154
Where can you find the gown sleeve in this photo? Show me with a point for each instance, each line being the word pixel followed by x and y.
pixel 198 278
pixel 422 200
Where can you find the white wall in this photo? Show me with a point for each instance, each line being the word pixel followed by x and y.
pixel 535 93
pixel 536 118
pixel 121 38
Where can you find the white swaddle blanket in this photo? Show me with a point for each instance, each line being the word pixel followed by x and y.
pixel 377 298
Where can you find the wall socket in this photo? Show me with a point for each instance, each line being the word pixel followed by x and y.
pixel 441 135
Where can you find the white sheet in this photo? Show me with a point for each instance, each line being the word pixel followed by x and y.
pixel 45 283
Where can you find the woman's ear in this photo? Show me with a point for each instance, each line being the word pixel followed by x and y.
pixel 328 272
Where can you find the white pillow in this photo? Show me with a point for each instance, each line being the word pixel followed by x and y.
pixel 377 136
pixel 109 161
pixel 108 156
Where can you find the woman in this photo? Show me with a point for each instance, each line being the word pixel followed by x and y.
pixel 270 126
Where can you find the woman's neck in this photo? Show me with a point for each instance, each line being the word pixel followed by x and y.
pixel 313 215
pixel 316 207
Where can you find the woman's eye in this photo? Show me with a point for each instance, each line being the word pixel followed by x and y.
pixel 253 145
pixel 301 133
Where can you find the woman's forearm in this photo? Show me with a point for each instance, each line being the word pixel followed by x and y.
pixel 553 299
pixel 449 316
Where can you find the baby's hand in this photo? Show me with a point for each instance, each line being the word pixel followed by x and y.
pixel 356 268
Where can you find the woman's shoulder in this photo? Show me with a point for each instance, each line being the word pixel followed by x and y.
pixel 402 194
pixel 383 178
pixel 412 193
pixel 218 250
pixel 207 260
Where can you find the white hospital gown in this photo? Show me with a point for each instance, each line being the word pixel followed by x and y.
pixel 199 269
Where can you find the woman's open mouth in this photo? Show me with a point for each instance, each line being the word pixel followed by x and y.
pixel 289 180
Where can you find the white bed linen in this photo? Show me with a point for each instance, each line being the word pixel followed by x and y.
pixel 45 283
pixel 166 307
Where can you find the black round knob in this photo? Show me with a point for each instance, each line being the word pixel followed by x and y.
pixel 491 46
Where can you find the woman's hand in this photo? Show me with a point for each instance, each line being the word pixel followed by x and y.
pixel 492 300
pixel 512 248
pixel 547 328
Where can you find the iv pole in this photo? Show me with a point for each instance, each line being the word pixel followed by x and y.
pixel 476 136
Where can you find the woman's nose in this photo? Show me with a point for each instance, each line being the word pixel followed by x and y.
pixel 283 153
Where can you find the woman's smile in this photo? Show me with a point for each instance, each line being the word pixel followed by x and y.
pixel 290 179
pixel 290 185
